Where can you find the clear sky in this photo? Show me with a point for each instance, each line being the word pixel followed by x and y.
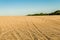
pixel 24 7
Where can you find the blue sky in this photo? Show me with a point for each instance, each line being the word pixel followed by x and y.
pixel 24 7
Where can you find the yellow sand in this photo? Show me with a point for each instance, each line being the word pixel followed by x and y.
pixel 29 27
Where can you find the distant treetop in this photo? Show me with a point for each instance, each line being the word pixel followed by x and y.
pixel 52 13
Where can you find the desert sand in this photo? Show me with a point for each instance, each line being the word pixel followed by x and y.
pixel 29 27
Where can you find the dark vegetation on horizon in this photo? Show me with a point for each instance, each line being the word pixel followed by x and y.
pixel 42 14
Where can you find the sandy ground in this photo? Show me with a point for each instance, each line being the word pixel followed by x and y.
pixel 29 27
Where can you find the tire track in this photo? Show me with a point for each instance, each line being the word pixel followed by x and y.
pixel 41 32
pixel 46 27
pixel 47 38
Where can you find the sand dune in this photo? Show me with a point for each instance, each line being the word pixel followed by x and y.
pixel 29 27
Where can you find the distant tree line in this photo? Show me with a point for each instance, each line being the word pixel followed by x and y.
pixel 52 13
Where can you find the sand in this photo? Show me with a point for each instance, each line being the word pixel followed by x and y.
pixel 29 27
